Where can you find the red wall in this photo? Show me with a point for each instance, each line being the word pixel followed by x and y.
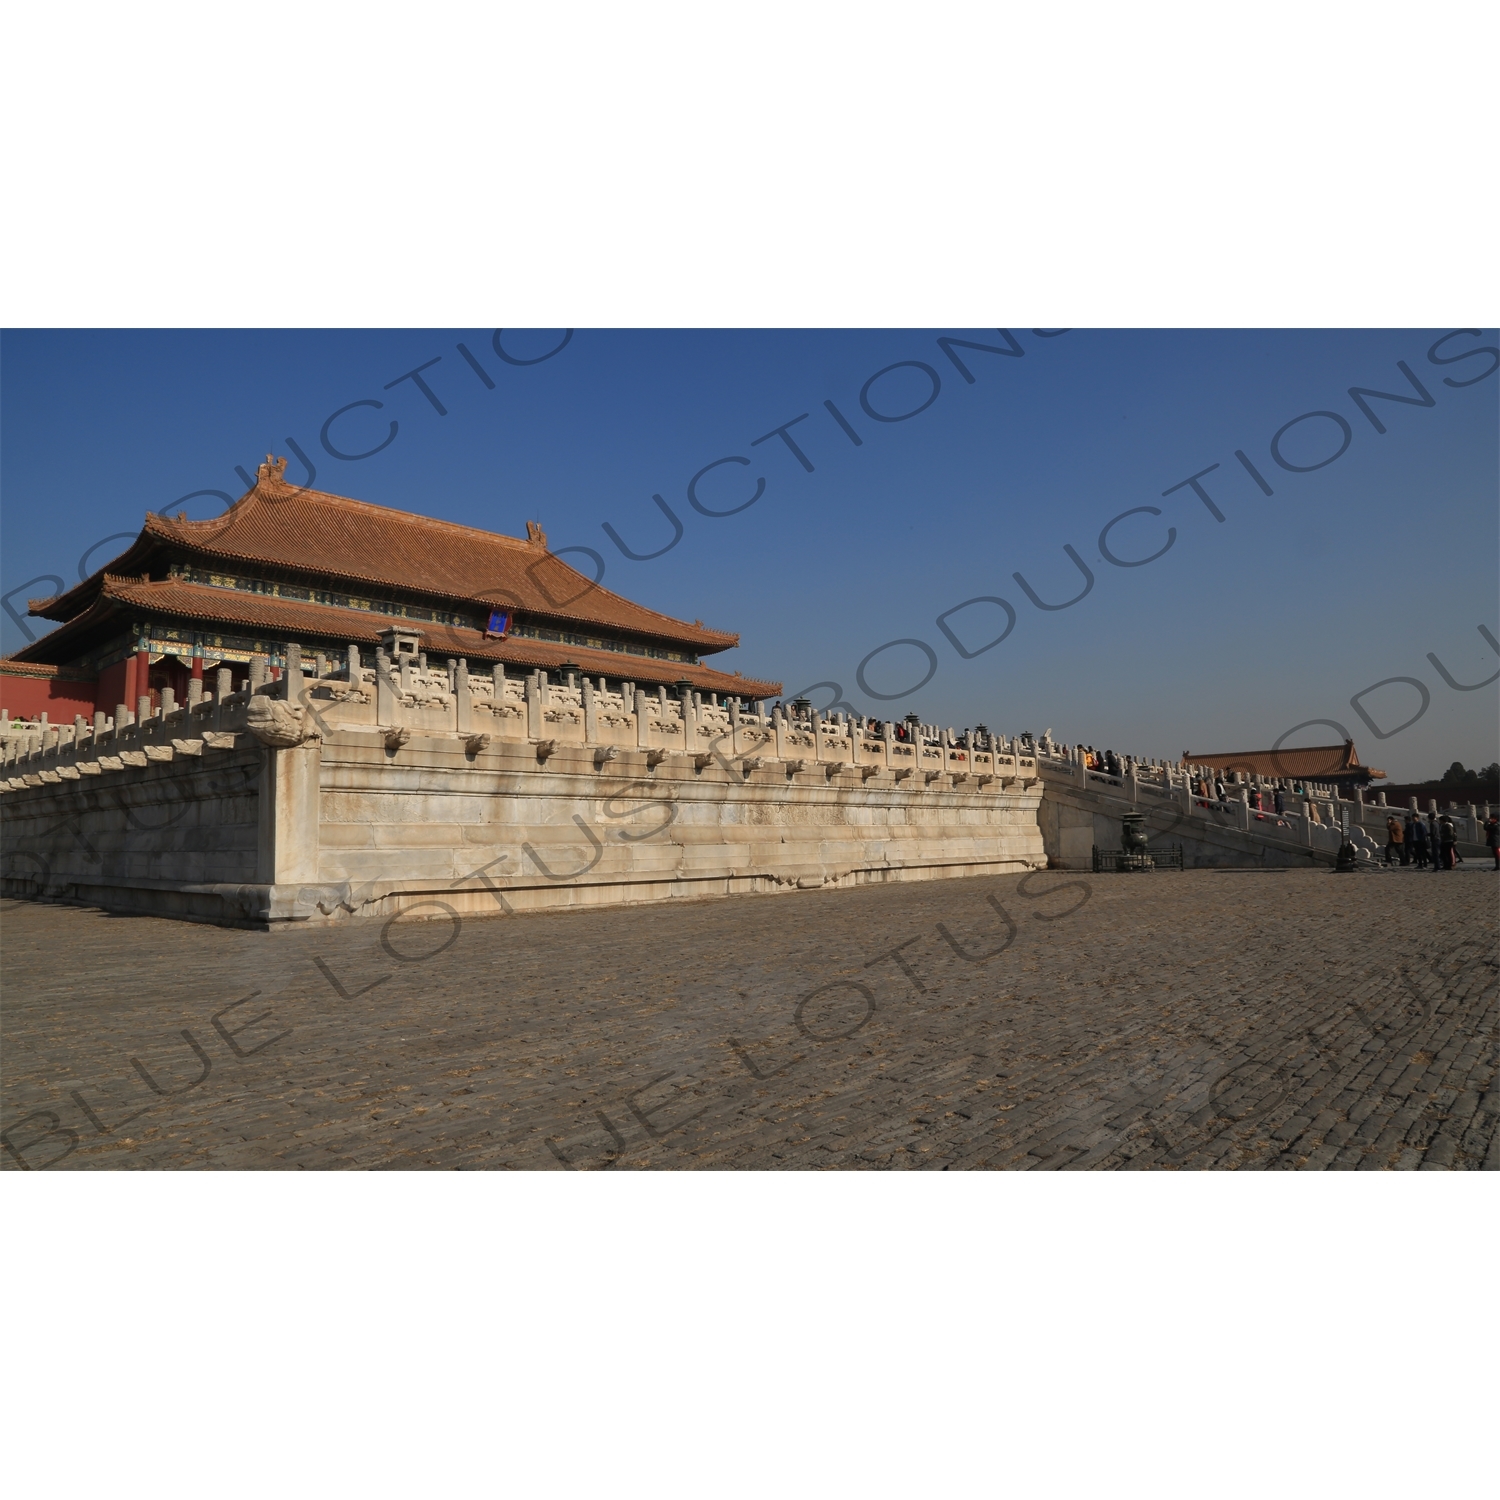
pixel 111 691
pixel 30 696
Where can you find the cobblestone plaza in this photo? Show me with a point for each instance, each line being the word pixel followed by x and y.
pixel 1292 1019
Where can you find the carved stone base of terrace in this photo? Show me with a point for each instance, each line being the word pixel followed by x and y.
pixel 340 828
pixel 260 907
pixel 441 901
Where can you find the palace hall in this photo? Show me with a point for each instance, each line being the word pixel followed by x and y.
pixel 285 565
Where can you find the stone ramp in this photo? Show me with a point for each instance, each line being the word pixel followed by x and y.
pixel 1082 809
pixel 1075 819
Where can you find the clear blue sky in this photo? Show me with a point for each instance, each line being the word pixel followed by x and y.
pixel 1348 574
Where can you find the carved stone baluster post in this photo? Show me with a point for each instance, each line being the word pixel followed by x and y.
pixel 385 690
pixel 642 721
pixel 533 707
pixel 294 679
pixel 590 713
pixel 463 702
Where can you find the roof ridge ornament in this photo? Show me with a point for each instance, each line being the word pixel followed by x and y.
pixel 273 469
pixel 534 533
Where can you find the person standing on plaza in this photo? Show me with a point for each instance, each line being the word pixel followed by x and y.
pixel 1394 841
pixel 1280 800
pixel 1408 851
pixel 1418 838
pixel 1492 836
pixel 1432 839
pixel 1448 842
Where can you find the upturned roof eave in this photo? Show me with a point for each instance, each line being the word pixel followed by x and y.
pixel 271 491
pixel 158 533
pixel 1344 748
pixel 74 602
pixel 705 640
pixel 1297 761
pixel 263 614
pixel 71 633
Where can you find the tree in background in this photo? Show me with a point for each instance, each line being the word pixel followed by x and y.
pixel 1458 775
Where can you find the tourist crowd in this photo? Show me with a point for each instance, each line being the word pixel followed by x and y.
pixel 1432 842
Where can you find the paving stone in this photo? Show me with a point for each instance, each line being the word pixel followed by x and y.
pixel 1441 1152
pixel 1202 1020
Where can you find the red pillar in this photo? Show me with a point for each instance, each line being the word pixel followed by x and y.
pixel 142 678
pixel 127 693
pixel 197 666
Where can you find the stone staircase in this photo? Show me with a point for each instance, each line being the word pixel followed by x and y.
pixel 1083 808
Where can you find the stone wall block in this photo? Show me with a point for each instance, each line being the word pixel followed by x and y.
pixel 289 814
